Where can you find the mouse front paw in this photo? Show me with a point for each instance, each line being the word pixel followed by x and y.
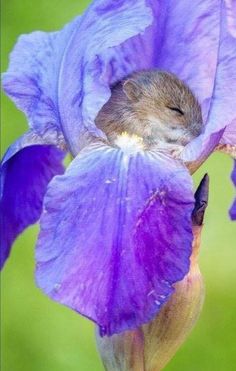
pixel 176 152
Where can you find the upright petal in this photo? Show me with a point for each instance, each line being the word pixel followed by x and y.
pixel 195 49
pixel 61 79
pixel 222 109
pixel 129 241
pixel 188 43
pixel 231 16
pixel 31 80
pixel 179 38
pixel 26 169
pixel 107 46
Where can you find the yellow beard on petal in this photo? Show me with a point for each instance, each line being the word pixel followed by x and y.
pixel 129 143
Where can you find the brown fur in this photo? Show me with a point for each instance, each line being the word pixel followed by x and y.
pixel 141 103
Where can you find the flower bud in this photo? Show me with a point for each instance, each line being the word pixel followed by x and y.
pixel 122 352
pixel 167 332
pixel 151 346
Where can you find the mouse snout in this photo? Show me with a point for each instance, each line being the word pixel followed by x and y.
pixel 191 133
pixel 196 129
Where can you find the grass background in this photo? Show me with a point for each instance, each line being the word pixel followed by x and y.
pixel 41 335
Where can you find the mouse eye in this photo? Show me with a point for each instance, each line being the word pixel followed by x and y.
pixel 176 109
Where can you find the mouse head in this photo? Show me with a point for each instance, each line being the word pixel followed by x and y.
pixel 166 103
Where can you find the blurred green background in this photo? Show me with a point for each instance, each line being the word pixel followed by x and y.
pixel 41 335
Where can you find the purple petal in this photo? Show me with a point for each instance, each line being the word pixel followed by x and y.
pixel 233 176
pixel 61 79
pixel 32 77
pixel 231 19
pixel 188 44
pixel 233 210
pixel 229 136
pixel 183 39
pixel 233 207
pixel 222 109
pixel 25 172
pixel 202 146
pixel 115 235
pixel 99 56
pixel 198 44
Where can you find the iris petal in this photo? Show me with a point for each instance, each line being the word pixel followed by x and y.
pixel 196 50
pixel 105 48
pixel 115 235
pixel 31 80
pixel 26 169
pixel 188 44
pixel 233 207
pixel 62 78
pixel 222 109
pixel 233 211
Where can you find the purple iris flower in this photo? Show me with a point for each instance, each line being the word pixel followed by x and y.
pixel 115 227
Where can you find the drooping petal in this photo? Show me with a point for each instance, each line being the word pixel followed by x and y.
pixel 115 235
pixel 26 169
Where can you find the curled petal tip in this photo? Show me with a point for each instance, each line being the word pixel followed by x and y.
pixel 201 201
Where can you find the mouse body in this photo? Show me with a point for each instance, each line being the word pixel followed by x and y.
pixel 155 106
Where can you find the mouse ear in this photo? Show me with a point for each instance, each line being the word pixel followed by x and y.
pixel 132 90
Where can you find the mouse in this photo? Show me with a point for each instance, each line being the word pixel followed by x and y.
pixel 155 106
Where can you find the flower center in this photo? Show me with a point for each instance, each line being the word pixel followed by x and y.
pixel 129 143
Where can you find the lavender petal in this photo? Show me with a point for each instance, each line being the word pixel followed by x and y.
pixel 61 79
pixel 115 235
pixel 233 207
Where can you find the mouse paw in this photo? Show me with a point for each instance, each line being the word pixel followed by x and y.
pixel 176 152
